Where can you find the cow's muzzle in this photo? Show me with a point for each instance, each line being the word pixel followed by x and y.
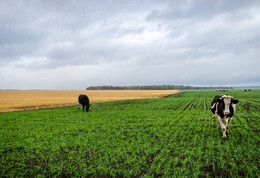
pixel 226 113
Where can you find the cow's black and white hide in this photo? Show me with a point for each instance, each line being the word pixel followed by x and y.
pixel 223 107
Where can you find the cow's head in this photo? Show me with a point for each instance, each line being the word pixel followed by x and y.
pixel 227 104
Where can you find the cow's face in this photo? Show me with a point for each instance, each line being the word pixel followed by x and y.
pixel 227 104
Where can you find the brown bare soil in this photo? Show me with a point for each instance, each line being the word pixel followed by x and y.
pixel 27 100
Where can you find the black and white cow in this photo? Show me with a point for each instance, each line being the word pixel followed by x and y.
pixel 84 101
pixel 223 107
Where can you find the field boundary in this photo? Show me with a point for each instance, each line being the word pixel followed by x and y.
pixel 166 96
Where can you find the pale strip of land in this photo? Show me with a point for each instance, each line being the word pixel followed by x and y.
pixel 27 100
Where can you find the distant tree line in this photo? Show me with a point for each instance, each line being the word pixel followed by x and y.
pixel 153 87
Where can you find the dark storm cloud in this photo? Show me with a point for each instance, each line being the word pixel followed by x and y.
pixel 74 44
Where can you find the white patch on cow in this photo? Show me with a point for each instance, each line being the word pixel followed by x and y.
pixel 213 106
pixel 227 101
pixel 234 106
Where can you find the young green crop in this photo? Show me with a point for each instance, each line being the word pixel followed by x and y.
pixel 152 137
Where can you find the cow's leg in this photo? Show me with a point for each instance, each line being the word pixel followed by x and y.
pixel 218 122
pixel 82 107
pixel 79 106
pixel 228 124
pixel 223 127
pixel 87 108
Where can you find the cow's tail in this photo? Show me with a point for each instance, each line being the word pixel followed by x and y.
pixel 211 118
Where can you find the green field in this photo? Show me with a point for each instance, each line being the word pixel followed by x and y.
pixel 135 138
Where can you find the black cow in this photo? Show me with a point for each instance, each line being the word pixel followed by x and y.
pixel 223 107
pixel 84 101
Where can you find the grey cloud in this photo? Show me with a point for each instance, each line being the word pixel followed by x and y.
pixel 128 43
pixel 179 10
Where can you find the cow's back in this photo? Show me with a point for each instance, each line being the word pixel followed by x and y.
pixel 83 99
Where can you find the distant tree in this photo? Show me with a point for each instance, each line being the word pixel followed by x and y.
pixel 153 87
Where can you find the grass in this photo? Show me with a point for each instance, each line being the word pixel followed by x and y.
pixel 133 138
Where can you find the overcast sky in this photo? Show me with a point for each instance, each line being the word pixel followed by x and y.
pixel 53 44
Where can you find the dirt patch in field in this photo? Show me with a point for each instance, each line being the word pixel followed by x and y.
pixel 28 100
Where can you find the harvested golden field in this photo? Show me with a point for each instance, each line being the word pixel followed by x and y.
pixel 26 100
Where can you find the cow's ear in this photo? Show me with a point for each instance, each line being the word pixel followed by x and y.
pixel 235 101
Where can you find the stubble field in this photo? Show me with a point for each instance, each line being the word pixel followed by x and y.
pixel 167 137
pixel 27 100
